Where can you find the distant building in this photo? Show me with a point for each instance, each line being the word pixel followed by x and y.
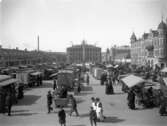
pixel 84 53
pixel 151 48
pixel 15 57
pixel 120 54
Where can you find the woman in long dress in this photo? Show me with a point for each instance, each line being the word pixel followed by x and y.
pixel 99 110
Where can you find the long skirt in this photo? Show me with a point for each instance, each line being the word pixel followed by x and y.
pixel 109 89
pixel 99 113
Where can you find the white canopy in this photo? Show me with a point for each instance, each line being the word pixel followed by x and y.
pixel 165 80
pixel 164 70
pixel 54 75
pixel 109 66
pixel 116 66
pixel 8 81
pixel 132 80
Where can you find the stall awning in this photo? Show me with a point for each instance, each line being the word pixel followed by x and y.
pixel 165 80
pixel 65 71
pixel 53 75
pixel 164 70
pixel 109 66
pixel 4 77
pixel 132 80
pixel 36 73
pixel 7 82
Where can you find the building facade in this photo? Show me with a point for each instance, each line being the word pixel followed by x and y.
pixel 15 57
pixel 119 54
pixel 151 48
pixel 83 53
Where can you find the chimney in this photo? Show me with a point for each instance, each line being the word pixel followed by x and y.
pixel 38 43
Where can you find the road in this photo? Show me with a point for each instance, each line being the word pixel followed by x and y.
pixel 32 110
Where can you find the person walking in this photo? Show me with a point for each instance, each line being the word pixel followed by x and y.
pixel 131 99
pixel 73 106
pixel 87 78
pixel 62 117
pixel 109 87
pixel 54 84
pixel 49 101
pixel 9 103
pixel 99 111
pixel 92 116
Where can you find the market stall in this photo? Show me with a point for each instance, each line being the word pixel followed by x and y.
pixel 7 85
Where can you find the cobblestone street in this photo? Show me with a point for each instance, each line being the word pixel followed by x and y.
pixel 32 110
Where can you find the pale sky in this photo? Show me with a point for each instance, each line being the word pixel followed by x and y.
pixel 58 22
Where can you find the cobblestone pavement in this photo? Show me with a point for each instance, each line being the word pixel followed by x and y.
pixel 32 111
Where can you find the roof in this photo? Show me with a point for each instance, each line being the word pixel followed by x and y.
pixel 133 36
pixel 7 82
pixel 4 77
pixel 162 25
pixel 65 71
pixel 145 35
pixel 164 70
pixel 36 73
pixel 132 80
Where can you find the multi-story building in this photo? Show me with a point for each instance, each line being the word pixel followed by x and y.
pixel 151 48
pixel 84 53
pixel 106 58
pixel 120 54
pixel 14 57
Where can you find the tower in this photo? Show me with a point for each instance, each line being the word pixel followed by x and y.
pixel 38 43
pixel 83 49
pixel 133 37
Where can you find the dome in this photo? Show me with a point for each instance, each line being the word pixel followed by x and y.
pixel 162 26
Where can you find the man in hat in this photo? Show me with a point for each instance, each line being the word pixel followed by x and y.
pixel 73 106
pixel 92 116
pixel 9 103
pixel 49 101
pixel 62 117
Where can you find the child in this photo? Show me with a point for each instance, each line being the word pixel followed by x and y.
pixel 92 116
pixel 62 117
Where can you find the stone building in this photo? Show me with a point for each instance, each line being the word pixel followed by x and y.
pixel 120 54
pixel 15 57
pixel 83 53
pixel 151 48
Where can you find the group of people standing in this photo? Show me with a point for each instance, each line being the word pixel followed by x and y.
pixel 96 112
pixel 62 113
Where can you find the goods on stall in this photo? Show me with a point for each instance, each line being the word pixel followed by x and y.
pixel 36 77
pixel 65 78
pixel 147 92
pixel 61 102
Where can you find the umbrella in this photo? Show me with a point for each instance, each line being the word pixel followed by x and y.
pixel 164 70
pixel 132 80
